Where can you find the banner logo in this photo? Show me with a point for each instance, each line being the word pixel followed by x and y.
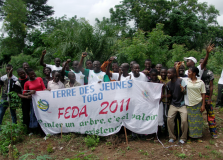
pixel 43 105
pixel 145 94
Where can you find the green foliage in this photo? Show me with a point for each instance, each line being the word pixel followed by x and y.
pixel 43 157
pixel 92 140
pixel 49 148
pixel 182 155
pixel 15 101
pixel 81 156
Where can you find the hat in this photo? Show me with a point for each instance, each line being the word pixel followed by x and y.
pixel 190 58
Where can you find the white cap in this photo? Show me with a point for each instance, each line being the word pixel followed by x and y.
pixel 190 58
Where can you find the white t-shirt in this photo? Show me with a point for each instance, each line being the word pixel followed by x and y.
pixel 95 77
pixel 122 78
pixel 186 100
pixel 201 71
pixel 221 78
pixel 79 77
pixel 142 77
pixel 53 68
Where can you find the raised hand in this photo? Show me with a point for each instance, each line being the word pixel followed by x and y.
pixel 69 60
pixel 146 72
pixel 84 54
pixel 43 52
pixel 210 48
pixel 112 58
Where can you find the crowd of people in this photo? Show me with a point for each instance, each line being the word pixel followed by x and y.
pixel 185 94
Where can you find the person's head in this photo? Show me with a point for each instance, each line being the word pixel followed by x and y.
pixel 115 67
pixel 125 67
pixel 8 68
pixel 131 64
pixel 153 75
pixel 191 61
pixel 67 68
pixel 46 71
pixel 96 66
pixel 148 64
pixel 171 73
pixel 21 73
pixel 75 66
pixel 163 73
pixel 201 61
pixel 158 68
pixel 57 62
pixel 56 76
pixel 31 74
pixel 89 64
pixel 71 76
pixel 193 72
pixel 181 70
pixel 135 69
pixel 25 66
pixel 175 63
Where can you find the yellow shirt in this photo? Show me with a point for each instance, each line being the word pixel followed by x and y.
pixel 194 91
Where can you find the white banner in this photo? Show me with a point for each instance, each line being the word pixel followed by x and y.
pixel 100 109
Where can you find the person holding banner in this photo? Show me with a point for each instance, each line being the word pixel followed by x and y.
pixel 72 82
pixel 137 75
pixel 79 77
pixel 176 91
pixel 123 72
pixel 95 75
pixel 196 95
pixel 30 87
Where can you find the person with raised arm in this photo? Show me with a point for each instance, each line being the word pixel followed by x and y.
pixel 79 77
pixel 95 75
pixel 191 61
pixel 123 74
pixel 55 67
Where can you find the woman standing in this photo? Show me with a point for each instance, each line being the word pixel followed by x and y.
pixel 34 84
pixel 47 72
pixel 196 95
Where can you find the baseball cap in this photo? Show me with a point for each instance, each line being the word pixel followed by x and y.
pixel 190 58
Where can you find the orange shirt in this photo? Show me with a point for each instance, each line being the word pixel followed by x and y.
pixel 104 68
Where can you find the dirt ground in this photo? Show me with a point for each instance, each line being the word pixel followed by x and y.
pixel 72 146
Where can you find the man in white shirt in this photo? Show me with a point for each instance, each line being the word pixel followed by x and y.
pixel 55 67
pixel 191 61
pixel 137 75
pixel 219 102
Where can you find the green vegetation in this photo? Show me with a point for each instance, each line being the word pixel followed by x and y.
pixel 92 140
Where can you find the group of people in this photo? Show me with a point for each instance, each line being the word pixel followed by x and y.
pixel 184 93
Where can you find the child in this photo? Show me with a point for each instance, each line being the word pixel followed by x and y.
pixel 176 90
pixel 55 83
pixel 131 66
pixel 56 67
pixel 72 82
pixel 148 68
pixel 158 68
pixel 78 74
pixel 95 75
pixel 7 82
pixel 154 79
pixel 19 87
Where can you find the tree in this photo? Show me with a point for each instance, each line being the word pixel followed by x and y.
pixel 14 25
pixel 38 11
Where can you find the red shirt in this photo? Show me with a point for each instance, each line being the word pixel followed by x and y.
pixel 36 85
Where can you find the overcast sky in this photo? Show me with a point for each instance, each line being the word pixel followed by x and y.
pixel 91 9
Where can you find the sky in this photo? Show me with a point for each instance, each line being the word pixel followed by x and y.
pixel 91 9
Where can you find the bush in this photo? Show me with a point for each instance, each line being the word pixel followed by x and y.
pixel 91 140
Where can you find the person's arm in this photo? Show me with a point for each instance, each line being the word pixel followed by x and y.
pixel 203 102
pixel 208 49
pixel 108 70
pixel 211 92
pixel 42 58
pixel 84 54
pixel 119 74
pixel 64 67
pixel 104 65
pixel 23 96
pixel 10 74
